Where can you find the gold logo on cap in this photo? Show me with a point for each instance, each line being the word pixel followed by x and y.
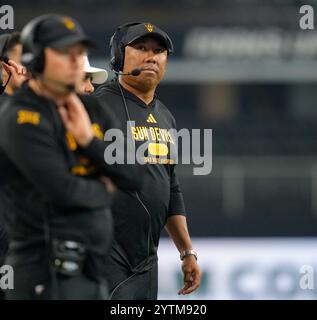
pixel 149 27
pixel 68 23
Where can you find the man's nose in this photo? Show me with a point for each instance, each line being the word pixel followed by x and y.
pixel 151 57
pixel 89 88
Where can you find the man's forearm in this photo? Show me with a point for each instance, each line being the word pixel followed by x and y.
pixel 176 227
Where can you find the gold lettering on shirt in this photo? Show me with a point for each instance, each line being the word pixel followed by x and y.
pixel 154 134
pixel 26 116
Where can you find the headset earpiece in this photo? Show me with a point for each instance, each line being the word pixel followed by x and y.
pixel 33 56
pixel 117 47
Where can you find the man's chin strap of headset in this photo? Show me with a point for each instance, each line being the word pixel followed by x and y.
pixel 3 87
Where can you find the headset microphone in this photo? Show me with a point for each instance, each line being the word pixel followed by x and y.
pixel 70 87
pixel 134 72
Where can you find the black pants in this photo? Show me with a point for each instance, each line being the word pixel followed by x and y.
pixel 35 282
pixel 139 286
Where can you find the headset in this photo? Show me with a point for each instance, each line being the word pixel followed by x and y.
pixel 4 40
pixel 33 56
pixel 117 47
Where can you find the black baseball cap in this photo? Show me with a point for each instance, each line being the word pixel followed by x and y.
pixel 59 31
pixel 140 30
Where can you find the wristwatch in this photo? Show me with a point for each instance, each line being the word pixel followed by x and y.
pixel 186 253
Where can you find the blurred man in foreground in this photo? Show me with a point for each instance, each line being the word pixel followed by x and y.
pixel 51 143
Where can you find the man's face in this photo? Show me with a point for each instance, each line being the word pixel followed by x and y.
pixel 148 54
pixel 64 66
pixel 85 85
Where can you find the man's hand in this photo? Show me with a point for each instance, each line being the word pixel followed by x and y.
pixel 18 73
pixel 176 227
pixel 76 119
pixel 192 275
